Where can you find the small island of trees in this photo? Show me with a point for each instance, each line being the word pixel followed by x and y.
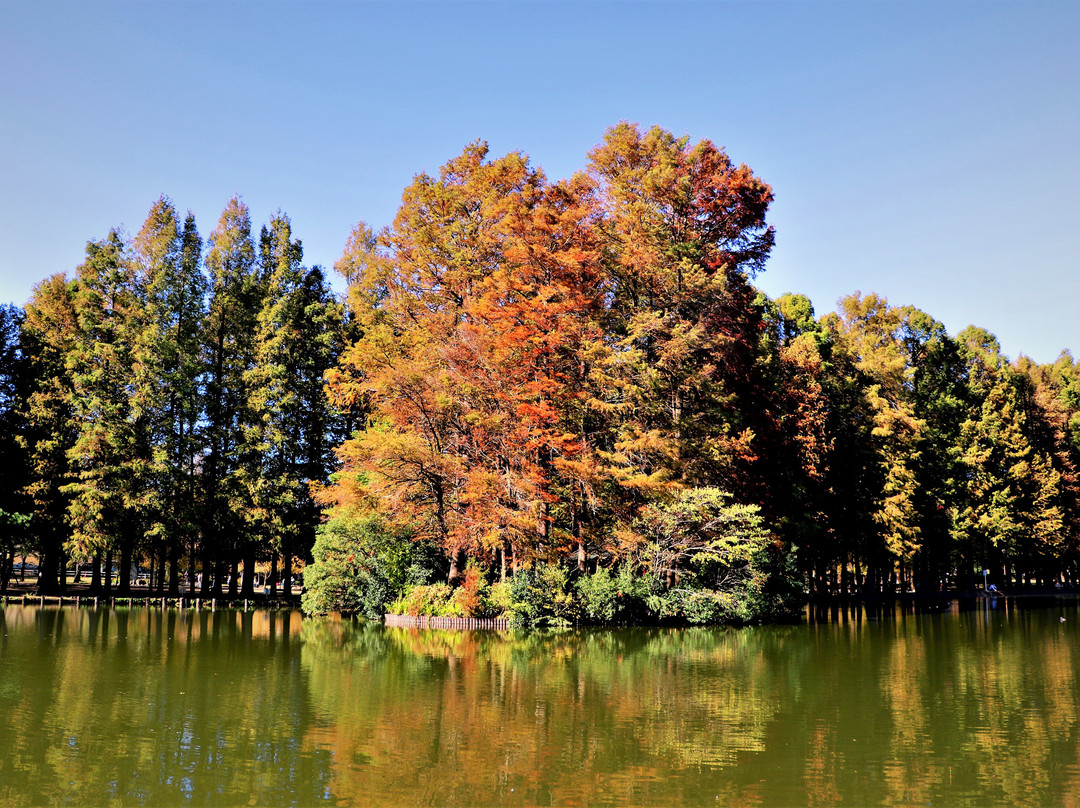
pixel 559 401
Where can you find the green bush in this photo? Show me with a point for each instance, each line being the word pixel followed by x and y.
pixel 599 594
pixel 728 568
pixel 430 599
pixel 474 597
pixel 734 574
pixel 543 596
pixel 358 566
pixel 500 599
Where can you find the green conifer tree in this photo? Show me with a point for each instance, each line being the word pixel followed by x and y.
pixel 228 349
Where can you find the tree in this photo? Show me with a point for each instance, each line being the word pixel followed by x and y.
pixel 229 353
pixel 869 331
pixel 712 554
pixel 685 232
pixel 14 368
pixel 1011 511
pixel 409 293
pixel 112 491
pixel 288 440
pixel 48 337
pixel 166 394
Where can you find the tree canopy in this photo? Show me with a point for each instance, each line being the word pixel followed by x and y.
pixel 565 385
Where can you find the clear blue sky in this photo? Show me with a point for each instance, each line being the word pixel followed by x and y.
pixel 927 151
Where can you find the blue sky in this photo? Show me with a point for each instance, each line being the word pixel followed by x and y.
pixel 926 151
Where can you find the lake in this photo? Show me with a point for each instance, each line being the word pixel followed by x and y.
pixel 182 707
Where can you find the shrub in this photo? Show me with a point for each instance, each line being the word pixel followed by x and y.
pixel 423 599
pixel 599 594
pixel 728 568
pixel 500 599
pixel 473 598
pixel 542 596
pixel 345 575
pixel 469 599
pixel 358 566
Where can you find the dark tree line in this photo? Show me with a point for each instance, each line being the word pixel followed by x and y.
pixel 164 405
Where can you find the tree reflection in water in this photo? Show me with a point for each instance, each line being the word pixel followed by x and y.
pixel 228 708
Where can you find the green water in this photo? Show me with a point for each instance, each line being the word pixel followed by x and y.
pixel 144 707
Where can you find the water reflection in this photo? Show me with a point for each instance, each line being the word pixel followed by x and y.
pixel 952 706
pixel 947 707
pixel 141 706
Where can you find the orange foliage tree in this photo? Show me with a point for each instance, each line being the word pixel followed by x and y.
pixel 543 359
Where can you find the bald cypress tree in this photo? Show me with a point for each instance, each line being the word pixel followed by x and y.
pixel 48 334
pixel 111 488
pixel 288 442
pixel 228 349
pixel 172 292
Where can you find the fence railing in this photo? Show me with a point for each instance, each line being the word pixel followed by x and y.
pixel 425 621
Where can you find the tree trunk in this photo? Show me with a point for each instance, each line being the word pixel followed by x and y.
pixel 7 562
pixel 126 557
pixel 174 571
pixel 219 572
pixel 286 570
pixel 192 567
pixel 207 569
pixel 273 575
pixel 108 571
pixel 62 559
pixel 47 576
pixel 163 568
pixel 457 566
pixel 248 588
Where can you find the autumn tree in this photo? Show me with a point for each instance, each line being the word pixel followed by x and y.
pixel 1011 510
pixel 685 233
pixel 48 335
pixel 409 293
pixel 869 331
pixel 112 491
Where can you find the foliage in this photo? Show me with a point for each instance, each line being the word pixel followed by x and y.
pixel 543 596
pixel 599 595
pixel 358 567
pixel 719 561
pixel 431 600
pixel 473 598
pixel 617 598
pixel 575 381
